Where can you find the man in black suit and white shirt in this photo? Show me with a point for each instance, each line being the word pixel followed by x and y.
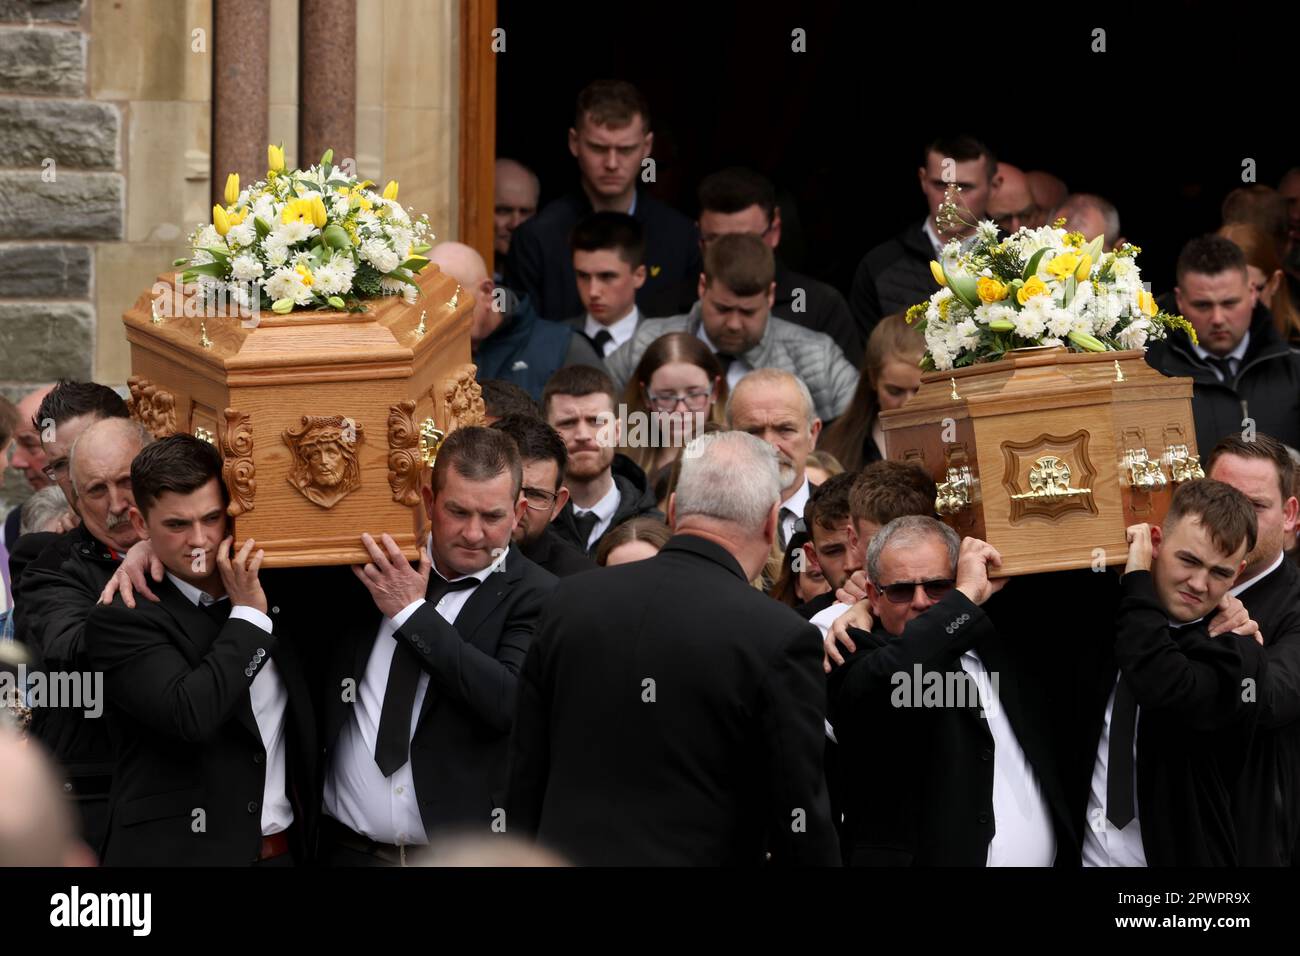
pixel 1176 710
pixel 609 263
pixel 945 759
pixel 420 696
pixel 1266 804
pixel 207 704
pixel 648 732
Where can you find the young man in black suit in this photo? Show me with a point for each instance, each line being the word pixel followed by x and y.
pixel 829 548
pixel 1176 715
pixel 1266 803
pixel 944 756
pixel 541 451
pixel 207 704
pixel 420 695
pixel 649 734
pixel 611 141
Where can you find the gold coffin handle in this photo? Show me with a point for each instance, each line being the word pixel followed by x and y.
pixel 1144 474
pixel 1183 465
pixel 431 439
pixel 1049 479
pixel 954 493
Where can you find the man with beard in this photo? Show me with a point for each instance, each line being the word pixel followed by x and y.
pixel 605 488
pixel 1266 803
pixel 544 459
pixel 775 406
pixel 59 590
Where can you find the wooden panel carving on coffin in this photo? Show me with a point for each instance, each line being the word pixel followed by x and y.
pixel 1039 473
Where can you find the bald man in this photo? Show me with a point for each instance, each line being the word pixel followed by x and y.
pixel 54 598
pixel 36 828
pixel 509 340
pixel 515 202
pixel 1091 215
pixel 1011 204
pixel 1048 192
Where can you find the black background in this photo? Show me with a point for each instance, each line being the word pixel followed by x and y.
pixel 1159 123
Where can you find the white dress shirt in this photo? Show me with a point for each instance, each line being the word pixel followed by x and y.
pixel 357 793
pixel 1234 357
pixel 1103 845
pixel 605 510
pixel 792 510
pixel 932 234
pixel 1023 834
pixel 738 368
pixel 269 699
pixel 620 331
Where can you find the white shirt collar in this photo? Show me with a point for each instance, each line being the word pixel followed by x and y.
pixel 481 575
pixel 796 501
pixel 193 594
pixel 1237 589
pixel 631 210
pixel 606 506
pixel 933 235
pixel 621 331
pixel 1238 353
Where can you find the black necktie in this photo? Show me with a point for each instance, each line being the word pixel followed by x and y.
pixel 1119 759
pixel 218 610
pixel 585 522
pixel 1224 365
pixel 393 740
pixel 725 361
pixel 600 340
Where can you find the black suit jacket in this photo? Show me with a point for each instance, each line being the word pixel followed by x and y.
pixel 52 600
pixel 540 262
pixel 1195 725
pixel 1266 801
pixel 552 553
pixel 185 736
pixel 919 780
pixel 670 714
pixel 892 277
pixel 459 748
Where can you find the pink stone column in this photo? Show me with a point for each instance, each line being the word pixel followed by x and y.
pixel 327 79
pixel 240 90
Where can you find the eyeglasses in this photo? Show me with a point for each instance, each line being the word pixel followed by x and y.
pixel 56 471
pixel 903 591
pixel 695 400
pixel 538 499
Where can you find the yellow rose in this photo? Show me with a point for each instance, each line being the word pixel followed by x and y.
pixel 1147 302
pixel 990 290
pixel 1063 266
pixel 1032 287
pixel 936 270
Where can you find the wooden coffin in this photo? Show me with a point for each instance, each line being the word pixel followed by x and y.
pixel 1049 455
pixel 325 420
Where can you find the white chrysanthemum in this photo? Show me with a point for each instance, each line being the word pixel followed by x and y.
pixel 401 238
pixel 246 267
pixel 339 207
pixel 998 311
pixel 287 283
pixel 987 232
pixel 378 253
pixel 1135 335
pixel 245 234
pixel 390 286
pixel 967 334
pixel 294 232
pixel 335 276
pixel 1081 324
pixel 1031 320
pixel 264 208
pixel 208 236
pixel 1060 322
pixel 276 250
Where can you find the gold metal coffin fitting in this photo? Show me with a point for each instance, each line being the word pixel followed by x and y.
pixel 1143 473
pixel 431 439
pixel 953 494
pixel 1050 478
pixel 1184 466
pixel 204 434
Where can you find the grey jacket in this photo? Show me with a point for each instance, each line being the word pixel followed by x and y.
pixel 813 356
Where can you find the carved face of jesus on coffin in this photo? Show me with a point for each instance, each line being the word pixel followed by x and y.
pixel 325 467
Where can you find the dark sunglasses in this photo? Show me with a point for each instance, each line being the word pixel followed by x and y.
pixel 902 592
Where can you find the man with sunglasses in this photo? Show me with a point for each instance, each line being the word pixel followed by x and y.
pixel 544 459
pixel 945 756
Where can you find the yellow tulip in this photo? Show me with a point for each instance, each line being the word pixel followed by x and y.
pixel 1033 286
pixel 936 270
pixel 390 191
pixel 1147 302
pixel 232 189
pixel 318 216
pixel 220 220
pixel 990 290
pixel 1085 268
pixel 275 158
pixel 237 217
